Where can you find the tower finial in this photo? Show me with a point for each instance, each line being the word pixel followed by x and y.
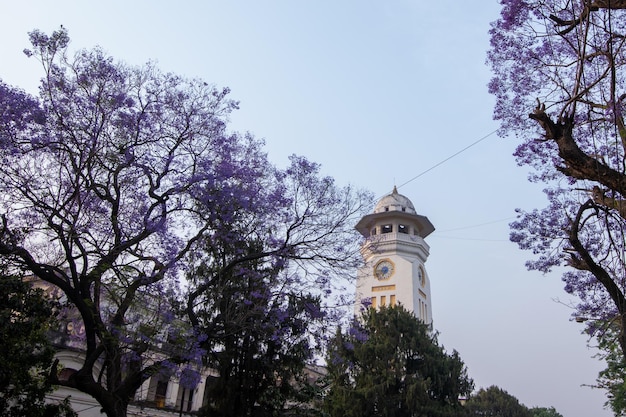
pixel 395 190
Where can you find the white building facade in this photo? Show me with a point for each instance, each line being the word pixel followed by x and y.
pixel 395 253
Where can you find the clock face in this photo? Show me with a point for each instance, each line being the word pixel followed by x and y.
pixel 384 269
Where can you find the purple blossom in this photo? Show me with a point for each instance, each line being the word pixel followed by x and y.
pixel 366 302
pixel 514 13
pixel 358 332
pixel 189 378
pixel 313 309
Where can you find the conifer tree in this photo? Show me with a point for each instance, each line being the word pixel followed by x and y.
pixel 390 364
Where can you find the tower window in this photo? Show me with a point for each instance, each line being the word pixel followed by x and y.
pixel 387 228
pixel 373 232
pixel 403 229
pixel 386 208
pixel 403 208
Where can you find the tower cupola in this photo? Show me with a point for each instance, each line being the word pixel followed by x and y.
pixel 395 210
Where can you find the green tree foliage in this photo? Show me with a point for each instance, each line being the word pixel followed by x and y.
pixel 496 402
pixel 544 412
pixel 25 317
pixel 613 377
pixel 390 364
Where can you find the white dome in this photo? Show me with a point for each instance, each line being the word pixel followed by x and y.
pixel 394 202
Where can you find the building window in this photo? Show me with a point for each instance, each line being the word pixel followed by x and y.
pixel 403 228
pixel 392 300
pixel 403 208
pixel 184 400
pixel 209 386
pixel 157 391
pixel 383 300
pixel 373 302
pixel 387 208
pixel 373 232
pixel 387 228
pixel 161 393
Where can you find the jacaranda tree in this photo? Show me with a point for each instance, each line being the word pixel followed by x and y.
pixel 123 187
pixel 560 84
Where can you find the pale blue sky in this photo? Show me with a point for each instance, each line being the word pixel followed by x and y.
pixel 377 92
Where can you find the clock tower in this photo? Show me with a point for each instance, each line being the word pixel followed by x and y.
pixel 395 252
